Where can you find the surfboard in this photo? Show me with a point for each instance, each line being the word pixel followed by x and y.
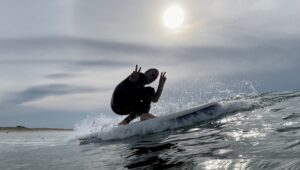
pixel 183 118
pixel 202 112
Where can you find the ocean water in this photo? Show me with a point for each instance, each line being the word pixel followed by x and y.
pixel 253 131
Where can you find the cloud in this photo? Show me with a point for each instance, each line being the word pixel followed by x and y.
pixel 32 18
pixel 102 63
pixel 44 47
pixel 83 53
pixel 60 75
pixel 42 91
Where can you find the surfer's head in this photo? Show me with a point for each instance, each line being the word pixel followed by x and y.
pixel 151 75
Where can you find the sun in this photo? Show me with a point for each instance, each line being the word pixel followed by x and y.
pixel 173 17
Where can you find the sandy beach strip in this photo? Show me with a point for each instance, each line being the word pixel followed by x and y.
pixel 25 129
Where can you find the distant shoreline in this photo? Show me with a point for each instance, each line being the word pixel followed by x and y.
pixel 25 129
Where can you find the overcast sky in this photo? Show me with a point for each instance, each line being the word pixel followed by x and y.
pixel 61 59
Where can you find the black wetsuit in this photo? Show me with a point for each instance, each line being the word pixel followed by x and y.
pixel 132 99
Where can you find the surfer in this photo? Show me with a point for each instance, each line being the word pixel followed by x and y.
pixel 131 97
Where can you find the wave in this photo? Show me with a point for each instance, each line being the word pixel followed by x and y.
pixel 101 128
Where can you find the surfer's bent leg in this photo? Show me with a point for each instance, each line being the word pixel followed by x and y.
pixel 132 116
pixel 146 98
pixel 145 104
pixel 142 106
pixel 139 110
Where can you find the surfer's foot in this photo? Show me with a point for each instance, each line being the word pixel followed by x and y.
pixel 123 123
pixel 146 116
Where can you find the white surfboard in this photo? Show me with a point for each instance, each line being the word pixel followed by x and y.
pixel 203 113
pixel 174 120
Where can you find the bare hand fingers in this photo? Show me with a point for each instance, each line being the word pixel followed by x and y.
pixel 137 68
pixel 162 74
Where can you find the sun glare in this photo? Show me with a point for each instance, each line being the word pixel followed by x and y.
pixel 173 17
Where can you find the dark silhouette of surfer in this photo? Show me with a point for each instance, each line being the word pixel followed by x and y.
pixel 133 98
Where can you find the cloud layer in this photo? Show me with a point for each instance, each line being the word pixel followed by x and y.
pixel 73 53
pixel 37 92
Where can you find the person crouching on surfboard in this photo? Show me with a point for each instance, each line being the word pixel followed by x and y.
pixel 132 98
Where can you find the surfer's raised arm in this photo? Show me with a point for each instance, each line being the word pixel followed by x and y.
pixel 160 87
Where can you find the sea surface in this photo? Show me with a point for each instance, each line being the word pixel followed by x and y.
pixel 254 131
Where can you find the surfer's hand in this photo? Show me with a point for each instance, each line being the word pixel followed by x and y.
pixel 160 87
pixel 135 74
pixel 162 78
pixel 123 123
